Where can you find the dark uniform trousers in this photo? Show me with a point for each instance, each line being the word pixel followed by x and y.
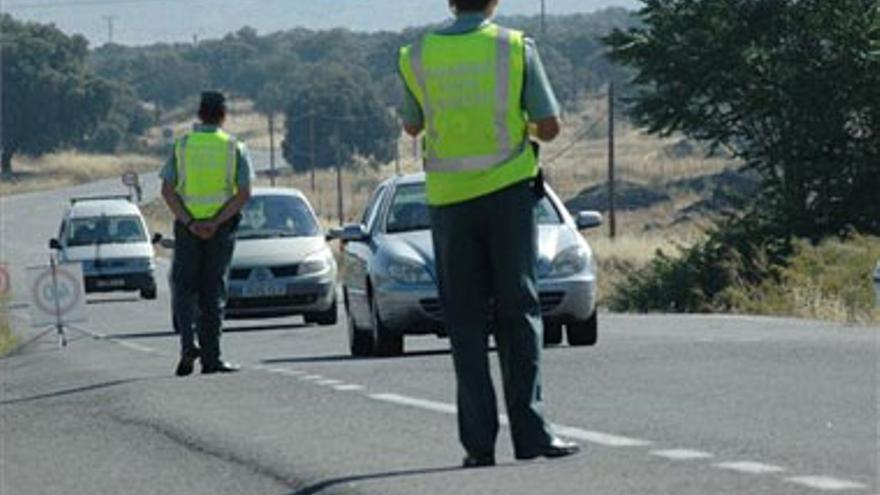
pixel 199 275
pixel 486 248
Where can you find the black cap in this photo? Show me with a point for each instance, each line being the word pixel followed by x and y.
pixel 213 99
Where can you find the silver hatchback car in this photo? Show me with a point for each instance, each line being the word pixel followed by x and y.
pixel 282 264
pixel 389 277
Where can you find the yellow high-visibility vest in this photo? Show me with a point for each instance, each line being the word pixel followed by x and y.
pixel 206 171
pixel 470 87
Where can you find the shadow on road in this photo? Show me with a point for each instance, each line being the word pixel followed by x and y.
pixel 347 357
pixel 323 485
pixel 76 390
pixel 263 328
pixel 113 300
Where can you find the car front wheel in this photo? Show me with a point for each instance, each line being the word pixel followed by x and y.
pixel 328 317
pixel 360 343
pixel 583 333
pixel 149 292
pixel 552 334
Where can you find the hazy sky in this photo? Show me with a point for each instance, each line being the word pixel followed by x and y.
pixel 148 21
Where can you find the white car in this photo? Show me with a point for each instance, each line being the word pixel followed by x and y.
pixel 109 236
pixel 282 265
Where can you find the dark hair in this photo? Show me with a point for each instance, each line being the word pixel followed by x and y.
pixel 471 5
pixel 212 114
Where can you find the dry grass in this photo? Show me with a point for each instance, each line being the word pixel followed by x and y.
pixel 7 339
pixel 68 168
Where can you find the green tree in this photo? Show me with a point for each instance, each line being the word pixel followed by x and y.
pixel 792 87
pixel 340 108
pixel 49 98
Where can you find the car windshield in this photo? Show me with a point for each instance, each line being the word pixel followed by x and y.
pixel 409 210
pixel 105 229
pixel 268 216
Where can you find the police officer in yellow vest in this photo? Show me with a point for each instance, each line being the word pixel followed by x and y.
pixel 475 88
pixel 205 184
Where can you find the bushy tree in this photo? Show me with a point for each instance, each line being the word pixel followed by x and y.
pixel 49 98
pixel 792 87
pixel 340 108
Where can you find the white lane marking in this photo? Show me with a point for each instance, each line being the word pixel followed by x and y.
pixel 348 388
pixel 290 372
pixel 566 431
pixel 750 467
pixel 329 382
pixel 413 402
pixel 596 437
pixel 311 378
pixel 826 483
pixel 681 454
pixel 136 347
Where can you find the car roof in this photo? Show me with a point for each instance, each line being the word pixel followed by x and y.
pixel 277 191
pixel 406 179
pixel 98 207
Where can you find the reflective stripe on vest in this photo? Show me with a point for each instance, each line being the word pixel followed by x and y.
pixel 506 150
pixel 203 187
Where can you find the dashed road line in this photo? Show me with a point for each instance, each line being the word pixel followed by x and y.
pixel 329 382
pixel 826 483
pixel 750 467
pixel 311 378
pixel 348 387
pixel 403 400
pixel 681 454
pixel 599 438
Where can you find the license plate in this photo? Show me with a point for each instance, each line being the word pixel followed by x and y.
pixel 113 282
pixel 264 290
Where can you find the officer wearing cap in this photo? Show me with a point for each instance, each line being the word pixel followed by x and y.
pixel 475 88
pixel 206 183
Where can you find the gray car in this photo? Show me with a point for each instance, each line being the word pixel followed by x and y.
pixel 282 265
pixel 389 277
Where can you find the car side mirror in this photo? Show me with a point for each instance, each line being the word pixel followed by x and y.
pixel 588 220
pixel 54 244
pixel 157 238
pixel 353 233
pixel 166 243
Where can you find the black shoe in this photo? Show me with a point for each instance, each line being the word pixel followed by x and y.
pixel 185 365
pixel 220 367
pixel 471 461
pixel 556 448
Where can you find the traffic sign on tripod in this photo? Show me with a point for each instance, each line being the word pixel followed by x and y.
pixel 57 295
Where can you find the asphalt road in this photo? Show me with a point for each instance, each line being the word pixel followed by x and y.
pixel 664 405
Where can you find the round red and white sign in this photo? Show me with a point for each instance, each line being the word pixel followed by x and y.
pixel 130 178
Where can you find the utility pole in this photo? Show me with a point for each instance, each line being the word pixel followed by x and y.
pixel 110 20
pixel 272 148
pixel 612 220
pixel 543 20
pixel 312 149
pixel 397 158
pixel 339 204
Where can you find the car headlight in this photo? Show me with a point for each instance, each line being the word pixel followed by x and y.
pixel 569 262
pixel 316 263
pixel 407 272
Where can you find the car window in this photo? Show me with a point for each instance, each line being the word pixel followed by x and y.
pixel 408 210
pixel 546 213
pixel 105 229
pixel 268 216
pixel 373 208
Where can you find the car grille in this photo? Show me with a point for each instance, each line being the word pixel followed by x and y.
pixel 272 302
pixel 285 270
pixel 549 302
pixel 277 271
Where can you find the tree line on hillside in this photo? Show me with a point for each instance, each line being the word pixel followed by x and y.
pixel 337 88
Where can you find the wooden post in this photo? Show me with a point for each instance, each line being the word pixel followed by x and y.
pixel 339 204
pixel 612 220
pixel 272 148
pixel 312 149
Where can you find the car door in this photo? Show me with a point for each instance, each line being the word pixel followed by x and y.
pixel 356 259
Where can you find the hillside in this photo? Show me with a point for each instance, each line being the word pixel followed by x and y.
pixel 150 21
